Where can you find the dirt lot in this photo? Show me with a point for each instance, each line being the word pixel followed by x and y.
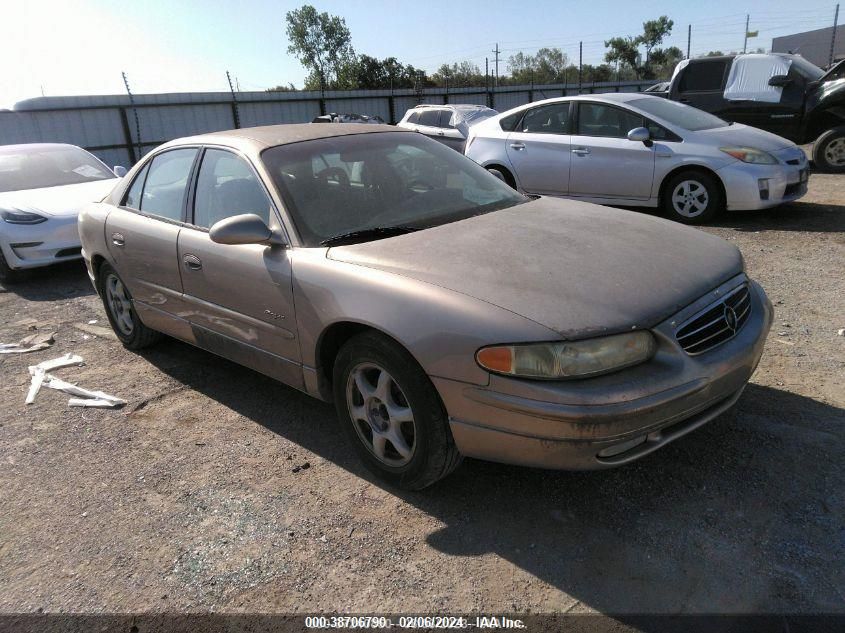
pixel 186 499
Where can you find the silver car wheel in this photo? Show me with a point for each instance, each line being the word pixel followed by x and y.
pixel 690 198
pixel 120 305
pixel 381 415
pixel 834 153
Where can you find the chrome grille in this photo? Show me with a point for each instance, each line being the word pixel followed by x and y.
pixel 717 323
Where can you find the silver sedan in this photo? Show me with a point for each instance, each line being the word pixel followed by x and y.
pixel 639 150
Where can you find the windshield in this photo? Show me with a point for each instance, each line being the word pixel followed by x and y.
pixel 346 184
pixel 33 168
pixel 678 114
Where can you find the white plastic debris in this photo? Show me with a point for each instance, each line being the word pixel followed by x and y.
pixel 31 343
pixel 39 372
pixel 85 398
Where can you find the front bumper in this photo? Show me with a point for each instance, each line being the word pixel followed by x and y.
pixel 614 419
pixel 785 182
pixel 35 245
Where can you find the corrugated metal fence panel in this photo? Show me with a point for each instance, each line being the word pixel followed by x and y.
pixel 507 100
pixel 373 106
pixel 166 122
pixel 403 104
pixel 257 113
pixel 478 98
pixel 78 127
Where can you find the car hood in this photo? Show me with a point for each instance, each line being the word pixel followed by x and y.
pixel 577 268
pixel 63 201
pixel 738 135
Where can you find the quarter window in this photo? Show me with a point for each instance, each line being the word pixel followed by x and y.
pixel 549 119
pixel 414 117
pixel 164 189
pixel 596 119
pixel 445 118
pixel 227 186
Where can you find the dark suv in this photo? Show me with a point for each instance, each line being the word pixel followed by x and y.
pixel 804 104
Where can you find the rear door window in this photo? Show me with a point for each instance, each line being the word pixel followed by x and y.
pixel 703 76
pixel 445 118
pixel 549 119
pixel 167 180
pixel 133 197
pixel 430 117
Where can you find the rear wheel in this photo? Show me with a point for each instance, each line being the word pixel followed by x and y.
pixel 392 414
pixel 503 175
pixel 829 150
pixel 121 311
pixel 692 197
pixel 8 275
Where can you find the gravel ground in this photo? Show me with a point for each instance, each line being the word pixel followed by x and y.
pixel 187 500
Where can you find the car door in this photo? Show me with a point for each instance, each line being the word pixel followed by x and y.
pixel 142 235
pixel 605 164
pixel 448 134
pixel 538 149
pixel 240 296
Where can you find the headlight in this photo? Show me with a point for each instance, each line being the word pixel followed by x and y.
pixel 577 359
pixel 21 217
pixel 750 155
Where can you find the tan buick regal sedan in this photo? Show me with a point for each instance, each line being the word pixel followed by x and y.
pixel 442 312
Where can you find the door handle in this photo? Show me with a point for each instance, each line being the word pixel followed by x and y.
pixel 440 133
pixel 192 262
pixel 518 146
pixel 581 151
pixel 117 239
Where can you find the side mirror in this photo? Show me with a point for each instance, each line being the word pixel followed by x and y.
pixel 119 171
pixel 780 81
pixel 639 134
pixel 247 228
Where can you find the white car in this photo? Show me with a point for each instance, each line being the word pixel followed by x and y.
pixel 42 188
pixel 631 149
pixel 448 123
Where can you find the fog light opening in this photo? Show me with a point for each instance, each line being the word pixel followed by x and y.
pixel 618 449
pixel 763 185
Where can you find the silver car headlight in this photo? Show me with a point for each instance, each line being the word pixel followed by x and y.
pixel 13 216
pixel 750 155
pixel 562 360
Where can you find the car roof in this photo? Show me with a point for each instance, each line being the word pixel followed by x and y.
pixel 448 106
pixel 610 97
pixel 257 139
pixel 33 147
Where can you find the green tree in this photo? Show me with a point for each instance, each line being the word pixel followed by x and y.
pixel 546 66
pixel 322 43
pixel 623 51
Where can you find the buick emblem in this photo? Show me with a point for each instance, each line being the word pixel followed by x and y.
pixel 730 317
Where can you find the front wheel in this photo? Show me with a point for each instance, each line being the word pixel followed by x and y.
pixel 392 414
pixel 121 311
pixel 8 275
pixel 692 197
pixel 829 150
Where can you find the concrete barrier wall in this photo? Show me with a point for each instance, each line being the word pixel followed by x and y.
pixel 106 124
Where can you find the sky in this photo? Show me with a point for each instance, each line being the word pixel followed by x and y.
pixel 74 47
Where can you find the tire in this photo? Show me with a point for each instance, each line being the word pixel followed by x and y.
pixel 503 176
pixel 120 310
pixel 410 453
pixel 692 197
pixel 8 275
pixel 829 151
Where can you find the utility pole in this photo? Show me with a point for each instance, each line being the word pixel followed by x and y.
pixel 745 40
pixel 135 113
pixel 487 80
pixel 580 63
pixel 496 78
pixel 236 116
pixel 833 34
pixel 689 37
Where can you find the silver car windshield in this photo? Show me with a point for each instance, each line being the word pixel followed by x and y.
pixel 36 168
pixel 393 180
pixel 678 114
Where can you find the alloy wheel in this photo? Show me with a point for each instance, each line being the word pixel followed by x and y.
pixel 381 415
pixel 690 198
pixel 834 153
pixel 120 305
